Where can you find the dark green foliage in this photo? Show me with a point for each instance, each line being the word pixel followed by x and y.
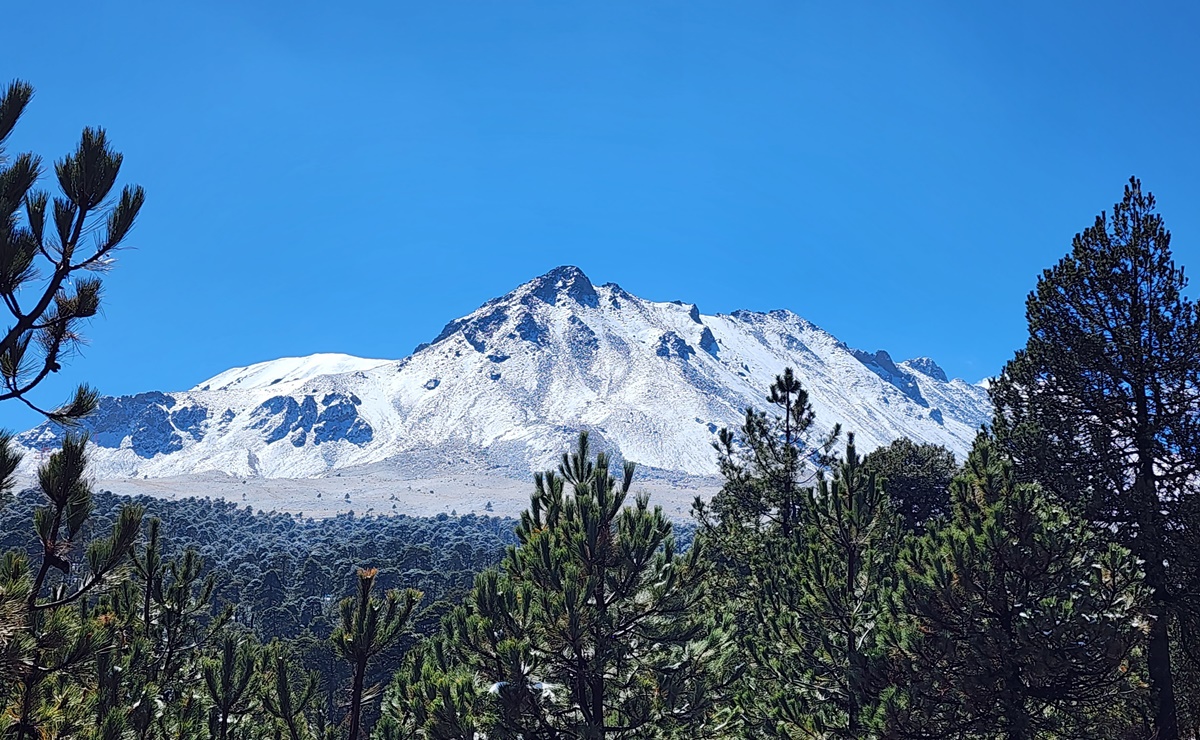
pixel 1102 407
pixel 824 591
pixel 52 640
pixel 293 569
pixel 229 678
pixel 170 667
pixel 289 693
pixel 588 630
pixel 280 577
pixel 1185 658
pixel 916 477
pixel 763 470
pixel 15 640
pixel 801 568
pixel 1013 600
pixel 155 654
pixel 176 607
pixel 9 460
pixel 766 469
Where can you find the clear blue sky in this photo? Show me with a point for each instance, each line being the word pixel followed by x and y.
pixel 350 176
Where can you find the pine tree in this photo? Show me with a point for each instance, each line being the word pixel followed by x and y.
pixel 288 694
pixel 15 641
pixel 916 478
pixel 49 289
pixel 764 469
pixel 165 623
pixel 229 676
pixel 588 632
pixel 1185 659
pixel 1012 619
pixel 768 470
pixel 823 591
pixel 369 626
pixel 9 460
pixel 49 304
pixel 1102 407
pixel 434 695
pixel 59 639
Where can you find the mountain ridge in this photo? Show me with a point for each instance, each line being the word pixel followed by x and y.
pixel 506 386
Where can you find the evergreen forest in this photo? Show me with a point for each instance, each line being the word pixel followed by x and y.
pixel 1046 586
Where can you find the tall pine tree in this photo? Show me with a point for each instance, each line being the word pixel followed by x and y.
pixel 1012 619
pixel 51 251
pixel 588 632
pixel 369 625
pixel 767 466
pixel 1102 407
pixel 823 591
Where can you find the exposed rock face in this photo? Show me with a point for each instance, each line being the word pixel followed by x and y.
pixel 926 366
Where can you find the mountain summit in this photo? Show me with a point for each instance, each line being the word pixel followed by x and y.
pixel 506 387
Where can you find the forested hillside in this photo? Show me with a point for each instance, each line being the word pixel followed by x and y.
pixel 280 576
pixel 278 572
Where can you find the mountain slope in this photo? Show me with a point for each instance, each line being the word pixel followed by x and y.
pixel 506 387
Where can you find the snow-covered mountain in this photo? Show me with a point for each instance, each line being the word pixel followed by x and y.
pixel 505 389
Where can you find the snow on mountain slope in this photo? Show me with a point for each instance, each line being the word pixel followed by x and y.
pixel 506 388
pixel 286 370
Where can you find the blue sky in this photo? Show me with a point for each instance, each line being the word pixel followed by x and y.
pixel 348 177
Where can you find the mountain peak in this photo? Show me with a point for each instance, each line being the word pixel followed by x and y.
pixel 566 281
pixel 565 271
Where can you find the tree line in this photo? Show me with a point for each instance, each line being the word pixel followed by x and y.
pixel 1044 587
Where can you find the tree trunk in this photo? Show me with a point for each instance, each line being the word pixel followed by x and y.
pixel 597 677
pixel 1162 685
pixel 360 675
pixel 852 684
pixel 47 554
pixel 1158 658
pixel 23 724
pixel 1014 705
